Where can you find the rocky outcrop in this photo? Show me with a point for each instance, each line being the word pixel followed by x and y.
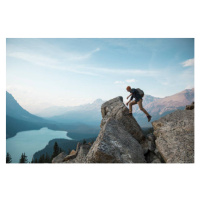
pixel 81 154
pixel 175 136
pixel 72 154
pixel 115 145
pixel 116 109
pixel 150 151
pixel 118 141
pixel 59 158
pixel 190 107
pixel 75 156
pixel 121 139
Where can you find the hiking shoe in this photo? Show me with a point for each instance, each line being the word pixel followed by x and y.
pixel 149 118
pixel 129 114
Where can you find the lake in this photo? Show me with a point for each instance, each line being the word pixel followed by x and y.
pixel 31 142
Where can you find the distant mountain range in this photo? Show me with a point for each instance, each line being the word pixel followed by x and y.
pixel 157 107
pixel 171 103
pixel 13 109
pixel 18 119
pixel 160 107
pixel 85 119
pixel 61 110
pixel 89 114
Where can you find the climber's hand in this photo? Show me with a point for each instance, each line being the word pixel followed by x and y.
pixel 127 103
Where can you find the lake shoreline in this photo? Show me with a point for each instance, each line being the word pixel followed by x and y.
pixel 31 141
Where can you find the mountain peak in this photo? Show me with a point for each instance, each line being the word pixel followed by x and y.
pixel 98 101
pixel 14 109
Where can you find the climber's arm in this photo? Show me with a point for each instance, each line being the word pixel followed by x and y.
pixel 129 96
pixel 128 102
pixel 130 99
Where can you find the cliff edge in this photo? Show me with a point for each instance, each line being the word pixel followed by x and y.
pixel 121 139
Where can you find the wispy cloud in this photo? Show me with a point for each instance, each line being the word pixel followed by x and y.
pixel 60 62
pixel 77 56
pixel 98 71
pixel 34 58
pixel 188 63
pixel 118 82
pixel 76 69
pixel 131 81
pixel 40 59
pixel 53 57
pixel 126 81
pixel 123 71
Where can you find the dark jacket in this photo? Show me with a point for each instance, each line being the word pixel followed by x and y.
pixel 135 94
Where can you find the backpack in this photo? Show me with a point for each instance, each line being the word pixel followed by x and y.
pixel 141 92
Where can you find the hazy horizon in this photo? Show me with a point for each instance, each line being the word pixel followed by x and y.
pixel 70 72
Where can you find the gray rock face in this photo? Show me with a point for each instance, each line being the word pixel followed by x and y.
pixel 151 157
pixel 121 139
pixel 72 154
pixel 59 158
pixel 118 140
pixel 175 136
pixel 81 154
pixel 116 109
pixel 115 145
pixel 148 144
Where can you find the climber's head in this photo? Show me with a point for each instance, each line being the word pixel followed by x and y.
pixel 128 88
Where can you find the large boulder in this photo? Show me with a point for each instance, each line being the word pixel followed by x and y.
pixel 72 154
pixel 81 154
pixel 175 136
pixel 115 145
pixel 118 141
pixel 59 158
pixel 116 109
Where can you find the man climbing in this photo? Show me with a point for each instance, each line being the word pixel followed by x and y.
pixel 138 100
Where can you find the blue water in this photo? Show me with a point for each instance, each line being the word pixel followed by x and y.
pixel 31 142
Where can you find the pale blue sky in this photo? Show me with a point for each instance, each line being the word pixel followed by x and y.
pixel 66 72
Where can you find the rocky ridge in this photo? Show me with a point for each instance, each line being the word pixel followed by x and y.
pixel 121 139
pixel 175 136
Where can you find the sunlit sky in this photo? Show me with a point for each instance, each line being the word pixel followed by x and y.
pixel 67 72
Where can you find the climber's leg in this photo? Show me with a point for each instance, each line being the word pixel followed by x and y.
pixel 130 105
pixel 141 107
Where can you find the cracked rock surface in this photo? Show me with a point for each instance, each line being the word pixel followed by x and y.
pixel 115 145
pixel 175 136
